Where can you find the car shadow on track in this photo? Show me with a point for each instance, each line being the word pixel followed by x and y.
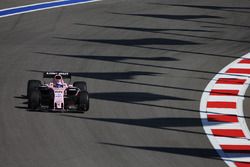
pixel 24 99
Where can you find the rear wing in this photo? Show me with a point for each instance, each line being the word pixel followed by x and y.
pixel 52 74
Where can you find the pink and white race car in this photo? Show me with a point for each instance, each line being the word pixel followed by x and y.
pixel 57 95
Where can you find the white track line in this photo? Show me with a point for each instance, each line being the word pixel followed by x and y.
pixel 41 6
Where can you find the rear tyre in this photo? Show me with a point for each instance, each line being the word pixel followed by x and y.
pixel 34 100
pixel 83 101
pixel 32 86
pixel 81 85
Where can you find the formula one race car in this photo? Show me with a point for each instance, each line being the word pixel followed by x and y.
pixel 57 95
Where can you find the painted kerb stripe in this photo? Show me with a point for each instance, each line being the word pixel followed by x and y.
pixel 223 92
pixel 222 118
pixel 236 148
pixel 219 104
pixel 238 71
pixel 234 81
pixel 242 164
pixel 228 133
pixel 245 61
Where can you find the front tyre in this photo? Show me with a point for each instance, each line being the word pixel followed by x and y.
pixel 34 100
pixel 32 86
pixel 81 85
pixel 83 101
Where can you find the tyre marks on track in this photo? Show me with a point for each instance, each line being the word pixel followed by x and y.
pixel 221 111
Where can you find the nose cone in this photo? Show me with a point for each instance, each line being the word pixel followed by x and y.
pixel 59 105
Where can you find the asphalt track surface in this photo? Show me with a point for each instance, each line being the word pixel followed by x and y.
pixel 146 63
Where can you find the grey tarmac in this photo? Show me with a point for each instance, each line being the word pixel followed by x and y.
pixel 146 63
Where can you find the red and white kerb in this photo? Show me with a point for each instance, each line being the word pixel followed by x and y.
pixel 221 111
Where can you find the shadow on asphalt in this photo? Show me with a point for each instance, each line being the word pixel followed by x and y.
pixel 170 124
pixel 125 43
pixel 152 30
pixel 186 18
pixel 236 9
pixel 196 152
pixel 111 59
pixel 136 42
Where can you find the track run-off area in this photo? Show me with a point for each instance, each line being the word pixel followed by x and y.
pixel 153 70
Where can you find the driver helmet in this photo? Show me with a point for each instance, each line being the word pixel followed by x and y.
pixel 58 82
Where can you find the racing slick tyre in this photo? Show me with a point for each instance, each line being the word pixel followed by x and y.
pixel 81 85
pixel 34 100
pixel 83 101
pixel 32 85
